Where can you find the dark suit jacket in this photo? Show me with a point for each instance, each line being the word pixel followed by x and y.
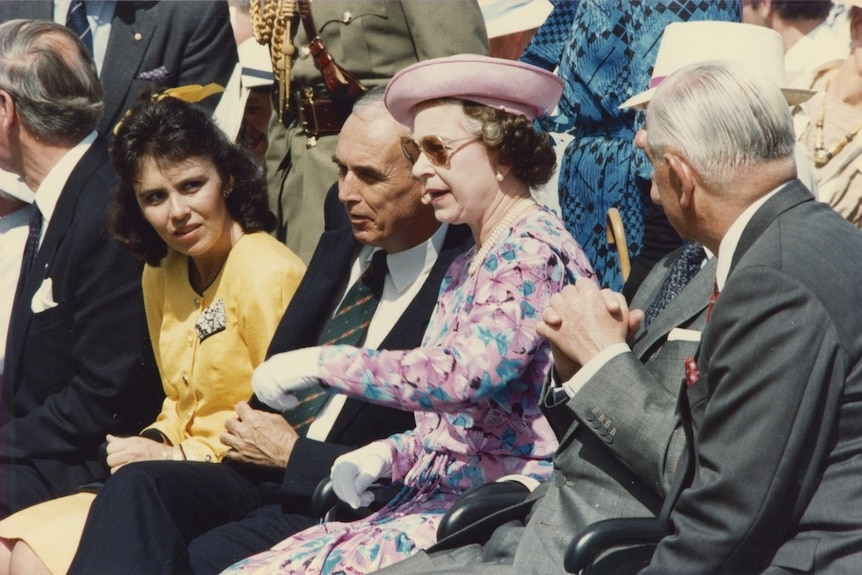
pixel 773 477
pixel 192 40
pixel 83 368
pixel 313 303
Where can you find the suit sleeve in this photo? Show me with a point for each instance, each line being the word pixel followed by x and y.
pixel 642 431
pixel 764 410
pixel 490 348
pixel 462 21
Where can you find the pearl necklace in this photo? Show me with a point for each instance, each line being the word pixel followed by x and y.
pixel 821 155
pixel 516 210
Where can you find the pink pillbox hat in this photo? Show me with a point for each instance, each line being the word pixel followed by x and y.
pixel 507 85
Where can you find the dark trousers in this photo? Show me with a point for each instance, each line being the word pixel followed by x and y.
pixel 146 515
pixel 22 486
pixel 218 549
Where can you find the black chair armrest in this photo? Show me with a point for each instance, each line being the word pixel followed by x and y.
pixel 604 535
pixel 473 508
pixel 324 499
pixel 326 505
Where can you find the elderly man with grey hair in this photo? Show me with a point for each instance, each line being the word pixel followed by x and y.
pixel 771 407
pixel 78 362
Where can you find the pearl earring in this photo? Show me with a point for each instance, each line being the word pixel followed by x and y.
pixel 499 176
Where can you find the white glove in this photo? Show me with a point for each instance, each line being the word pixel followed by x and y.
pixel 276 380
pixel 354 472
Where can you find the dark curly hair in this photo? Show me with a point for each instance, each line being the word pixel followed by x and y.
pixel 801 9
pixel 169 131
pixel 515 141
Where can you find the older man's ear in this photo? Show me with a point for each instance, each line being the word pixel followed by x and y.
pixel 682 177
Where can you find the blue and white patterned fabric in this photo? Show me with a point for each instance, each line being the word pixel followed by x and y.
pixel 605 50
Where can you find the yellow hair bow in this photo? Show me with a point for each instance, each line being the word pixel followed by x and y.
pixel 190 93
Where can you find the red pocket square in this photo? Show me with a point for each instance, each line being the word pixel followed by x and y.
pixel 692 372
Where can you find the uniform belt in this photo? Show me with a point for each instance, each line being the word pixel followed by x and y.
pixel 318 116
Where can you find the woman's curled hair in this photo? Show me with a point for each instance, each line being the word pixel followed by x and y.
pixel 170 131
pixel 515 141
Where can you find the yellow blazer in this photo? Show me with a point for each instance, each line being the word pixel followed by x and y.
pixel 207 345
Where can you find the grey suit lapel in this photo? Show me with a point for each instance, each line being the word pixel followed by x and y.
pixel 688 304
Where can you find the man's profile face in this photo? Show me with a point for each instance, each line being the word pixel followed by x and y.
pixel 661 190
pixel 375 185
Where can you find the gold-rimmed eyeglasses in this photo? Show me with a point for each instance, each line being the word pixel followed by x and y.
pixel 438 150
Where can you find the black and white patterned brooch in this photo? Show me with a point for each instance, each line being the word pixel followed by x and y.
pixel 211 321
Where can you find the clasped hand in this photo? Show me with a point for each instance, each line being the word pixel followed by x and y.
pixel 276 381
pixel 582 320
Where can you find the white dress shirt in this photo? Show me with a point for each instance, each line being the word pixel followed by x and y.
pixel 407 272
pixel 52 186
pixel 99 15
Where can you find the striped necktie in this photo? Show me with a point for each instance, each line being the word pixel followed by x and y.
pixel 76 21
pixel 348 326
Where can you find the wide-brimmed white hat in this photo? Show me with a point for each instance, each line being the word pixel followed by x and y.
pixel 253 70
pixel 760 48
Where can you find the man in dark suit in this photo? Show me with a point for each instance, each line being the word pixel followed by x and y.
pixel 770 481
pixel 371 39
pixel 149 44
pixel 78 364
pixel 147 515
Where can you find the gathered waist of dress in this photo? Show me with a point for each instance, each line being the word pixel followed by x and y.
pixel 616 129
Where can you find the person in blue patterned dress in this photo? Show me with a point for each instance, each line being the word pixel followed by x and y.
pixel 605 50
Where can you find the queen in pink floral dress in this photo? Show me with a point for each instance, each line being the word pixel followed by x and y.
pixel 474 383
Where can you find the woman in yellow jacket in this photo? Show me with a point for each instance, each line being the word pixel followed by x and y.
pixel 194 207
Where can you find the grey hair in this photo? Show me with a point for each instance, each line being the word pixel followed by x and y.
pixel 56 90
pixel 371 100
pixel 721 118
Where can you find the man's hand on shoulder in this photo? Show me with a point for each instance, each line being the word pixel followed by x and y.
pixel 258 437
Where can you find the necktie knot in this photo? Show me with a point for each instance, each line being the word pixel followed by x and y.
pixel 375 276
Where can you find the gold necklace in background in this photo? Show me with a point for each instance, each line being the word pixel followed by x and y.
pixel 821 154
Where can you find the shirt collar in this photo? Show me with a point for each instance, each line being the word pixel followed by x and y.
pixel 405 266
pixel 731 239
pixel 52 186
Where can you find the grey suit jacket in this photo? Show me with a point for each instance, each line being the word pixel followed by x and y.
pixel 619 444
pixel 193 41
pixel 619 453
pixel 773 478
